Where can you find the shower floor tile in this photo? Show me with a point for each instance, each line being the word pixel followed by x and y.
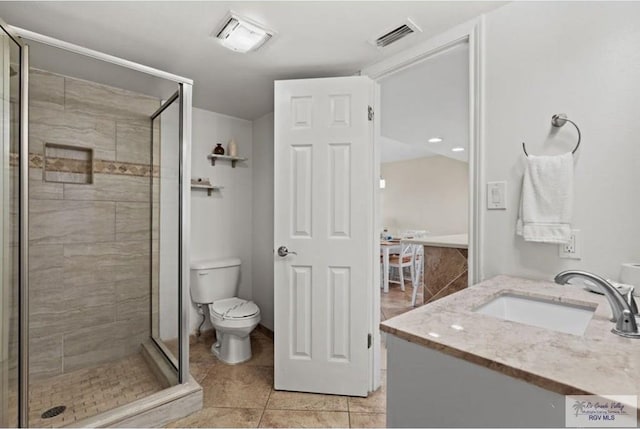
pixel 90 391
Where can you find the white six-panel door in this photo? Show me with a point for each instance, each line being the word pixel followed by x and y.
pixel 324 182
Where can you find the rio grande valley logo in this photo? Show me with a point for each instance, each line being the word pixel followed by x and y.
pixel 601 411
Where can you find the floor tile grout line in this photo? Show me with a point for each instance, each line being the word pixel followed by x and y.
pixel 308 409
pixel 265 407
pixel 230 407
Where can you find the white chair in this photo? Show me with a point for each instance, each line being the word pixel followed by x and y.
pixel 402 261
pixel 414 233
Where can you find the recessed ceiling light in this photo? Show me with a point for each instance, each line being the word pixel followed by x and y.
pixel 435 140
pixel 457 149
pixel 242 34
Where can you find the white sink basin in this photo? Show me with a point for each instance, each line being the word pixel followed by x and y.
pixel 547 314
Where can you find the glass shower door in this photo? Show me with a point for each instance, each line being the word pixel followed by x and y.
pixel 165 322
pixel 10 106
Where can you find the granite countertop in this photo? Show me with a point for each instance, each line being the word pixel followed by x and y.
pixel 458 241
pixel 598 363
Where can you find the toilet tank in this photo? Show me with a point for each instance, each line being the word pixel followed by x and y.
pixel 214 279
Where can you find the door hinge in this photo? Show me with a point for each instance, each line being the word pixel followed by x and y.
pixel 370 112
pixel 369 341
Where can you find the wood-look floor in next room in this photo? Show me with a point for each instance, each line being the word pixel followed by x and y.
pixel 396 301
pixel 243 395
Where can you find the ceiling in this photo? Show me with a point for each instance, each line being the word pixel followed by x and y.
pixel 314 39
pixel 428 99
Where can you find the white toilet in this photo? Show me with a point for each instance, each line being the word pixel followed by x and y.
pixel 214 283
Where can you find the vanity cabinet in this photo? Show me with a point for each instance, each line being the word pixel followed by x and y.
pixel 453 363
pixel 428 388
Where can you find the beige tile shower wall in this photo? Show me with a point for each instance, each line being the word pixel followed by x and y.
pixel 90 244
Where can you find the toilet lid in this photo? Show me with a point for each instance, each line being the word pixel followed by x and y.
pixel 234 308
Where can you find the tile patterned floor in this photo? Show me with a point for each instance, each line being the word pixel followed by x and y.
pixel 243 395
pixel 234 396
pixel 88 392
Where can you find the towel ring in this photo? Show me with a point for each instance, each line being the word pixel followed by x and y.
pixel 558 121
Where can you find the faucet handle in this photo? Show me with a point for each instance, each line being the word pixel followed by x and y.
pixel 626 325
pixel 632 301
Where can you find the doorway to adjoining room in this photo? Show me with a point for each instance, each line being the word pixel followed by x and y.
pixel 424 181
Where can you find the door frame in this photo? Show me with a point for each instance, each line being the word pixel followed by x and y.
pixel 471 32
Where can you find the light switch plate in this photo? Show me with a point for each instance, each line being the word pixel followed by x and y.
pixel 497 195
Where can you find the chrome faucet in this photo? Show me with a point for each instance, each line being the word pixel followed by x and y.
pixel 624 310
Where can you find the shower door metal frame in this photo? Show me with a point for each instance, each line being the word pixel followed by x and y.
pixel 184 219
pixel 23 228
pixel 23 385
pixel 183 95
pixel 185 88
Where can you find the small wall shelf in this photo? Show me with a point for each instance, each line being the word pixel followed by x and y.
pixel 209 188
pixel 213 157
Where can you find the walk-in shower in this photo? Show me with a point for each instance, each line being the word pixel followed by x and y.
pixel 95 175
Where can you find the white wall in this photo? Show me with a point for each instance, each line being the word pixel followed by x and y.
pixel 581 59
pixel 541 59
pixel 429 193
pixel 221 225
pixel 263 217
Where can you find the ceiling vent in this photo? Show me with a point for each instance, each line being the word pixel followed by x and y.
pixel 392 36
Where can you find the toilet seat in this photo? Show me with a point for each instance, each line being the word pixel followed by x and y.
pixel 233 308
pixel 233 319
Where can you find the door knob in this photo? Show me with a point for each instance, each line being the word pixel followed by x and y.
pixel 283 251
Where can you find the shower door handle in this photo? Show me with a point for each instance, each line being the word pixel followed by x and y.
pixel 283 251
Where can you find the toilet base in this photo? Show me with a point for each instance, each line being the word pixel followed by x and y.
pixel 232 349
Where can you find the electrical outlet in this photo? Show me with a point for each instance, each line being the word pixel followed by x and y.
pixel 573 248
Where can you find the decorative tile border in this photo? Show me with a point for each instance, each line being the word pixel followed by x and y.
pixel 125 168
pixel 66 165
pixel 36 160
pixel 13 159
pixel 100 166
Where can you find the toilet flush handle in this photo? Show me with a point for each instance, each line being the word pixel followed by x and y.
pixel 283 251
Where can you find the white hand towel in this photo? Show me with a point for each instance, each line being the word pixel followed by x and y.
pixel 546 206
